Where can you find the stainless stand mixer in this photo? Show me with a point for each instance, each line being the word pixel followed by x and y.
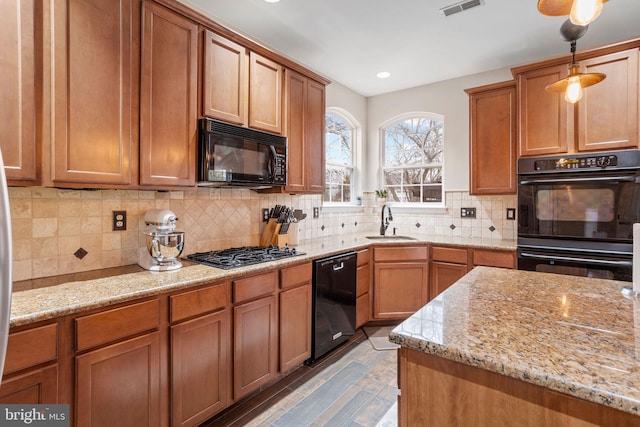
pixel 163 244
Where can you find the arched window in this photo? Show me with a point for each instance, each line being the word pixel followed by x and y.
pixel 412 158
pixel 340 159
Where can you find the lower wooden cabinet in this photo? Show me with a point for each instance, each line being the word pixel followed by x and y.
pixel 400 281
pixel 36 386
pixel 363 288
pixel 443 275
pixel 200 368
pixel 255 355
pixel 119 385
pixel 295 326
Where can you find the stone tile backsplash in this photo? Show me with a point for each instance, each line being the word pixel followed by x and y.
pixel 50 225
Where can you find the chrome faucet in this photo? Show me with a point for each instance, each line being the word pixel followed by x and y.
pixel 384 223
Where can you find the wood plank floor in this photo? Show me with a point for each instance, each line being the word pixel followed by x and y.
pixel 355 385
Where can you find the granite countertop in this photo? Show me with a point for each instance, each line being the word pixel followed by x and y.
pixel 570 334
pixel 48 298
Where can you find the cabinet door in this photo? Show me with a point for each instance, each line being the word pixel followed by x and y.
pixel 225 79
pixel 37 386
pixel 94 85
pixel 608 112
pixel 200 368
pixel 295 99
pixel 119 385
pixel 18 90
pixel 443 275
pixel 363 301
pixel 493 140
pixel 314 137
pixel 545 119
pixel 295 327
pixel 265 94
pixel 400 289
pixel 168 98
pixel 255 356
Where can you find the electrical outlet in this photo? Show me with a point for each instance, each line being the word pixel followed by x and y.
pixel 265 215
pixel 119 220
pixel 316 212
pixel 467 212
pixel 511 214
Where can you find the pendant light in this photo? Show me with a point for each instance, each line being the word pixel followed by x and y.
pixel 581 12
pixel 574 84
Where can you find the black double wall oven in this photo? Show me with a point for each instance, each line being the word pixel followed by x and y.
pixel 576 213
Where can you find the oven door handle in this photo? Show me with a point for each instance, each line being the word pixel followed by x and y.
pixel 586 260
pixel 579 180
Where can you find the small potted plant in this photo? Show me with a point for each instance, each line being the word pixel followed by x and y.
pixel 381 196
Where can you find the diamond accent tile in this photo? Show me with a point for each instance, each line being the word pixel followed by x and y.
pixel 492 229
pixel 452 226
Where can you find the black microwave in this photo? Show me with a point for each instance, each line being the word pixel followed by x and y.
pixel 230 155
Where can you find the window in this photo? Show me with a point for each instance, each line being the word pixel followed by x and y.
pixel 413 151
pixel 339 159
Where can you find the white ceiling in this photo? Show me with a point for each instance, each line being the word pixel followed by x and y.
pixel 349 41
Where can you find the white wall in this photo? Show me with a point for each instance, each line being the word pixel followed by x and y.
pixel 446 98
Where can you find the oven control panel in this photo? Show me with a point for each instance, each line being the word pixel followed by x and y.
pixel 587 162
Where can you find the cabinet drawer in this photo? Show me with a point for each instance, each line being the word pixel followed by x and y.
pixel 31 347
pixel 255 286
pixel 454 255
pixel 400 253
pixel 364 257
pixel 194 303
pixel 504 259
pixel 118 323
pixel 297 275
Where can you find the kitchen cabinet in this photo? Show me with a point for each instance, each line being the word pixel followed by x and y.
pixel 18 90
pixel 295 300
pixel 605 119
pixel 255 345
pixel 492 139
pixel 400 281
pixel 94 92
pixel 31 368
pixel 304 123
pixel 608 112
pixel 493 258
pixel 363 287
pixel 240 86
pixel 447 265
pixel 200 354
pixel 117 366
pixel 168 98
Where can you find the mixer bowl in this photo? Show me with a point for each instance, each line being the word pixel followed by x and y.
pixel 165 248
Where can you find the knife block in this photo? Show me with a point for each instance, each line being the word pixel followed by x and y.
pixel 270 233
pixel 282 240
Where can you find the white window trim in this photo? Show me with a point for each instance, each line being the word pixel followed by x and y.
pixel 415 207
pixel 356 185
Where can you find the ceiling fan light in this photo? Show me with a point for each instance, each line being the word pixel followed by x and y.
pixel 574 90
pixel 583 12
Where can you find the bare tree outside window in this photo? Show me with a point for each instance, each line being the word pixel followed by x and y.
pixel 339 159
pixel 413 156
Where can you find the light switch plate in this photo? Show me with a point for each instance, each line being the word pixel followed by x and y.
pixel 511 214
pixel 316 212
pixel 119 220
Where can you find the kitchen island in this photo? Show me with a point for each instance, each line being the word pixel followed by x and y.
pixel 505 347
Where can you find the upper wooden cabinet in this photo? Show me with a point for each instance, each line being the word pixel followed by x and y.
pixel 304 122
pixel 18 90
pixel 241 86
pixel 492 137
pixel 608 112
pixel 94 92
pixel 606 118
pixel 168 98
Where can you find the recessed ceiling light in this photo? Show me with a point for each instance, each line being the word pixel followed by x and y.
pixel 383 74
pixel 272 1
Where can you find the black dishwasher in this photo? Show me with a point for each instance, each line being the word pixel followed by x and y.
pixel 334 302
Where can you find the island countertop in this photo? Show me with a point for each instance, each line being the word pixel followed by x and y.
pixel 573 335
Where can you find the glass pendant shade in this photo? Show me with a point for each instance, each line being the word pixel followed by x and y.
pixel 574 84
pixel 581 12
pixel 574 91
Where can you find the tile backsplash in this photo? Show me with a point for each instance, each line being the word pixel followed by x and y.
pixel 50 225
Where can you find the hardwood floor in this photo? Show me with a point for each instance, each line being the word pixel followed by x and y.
pixel 355 385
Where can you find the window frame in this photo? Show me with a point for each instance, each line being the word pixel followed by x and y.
pixel 419 206
pixel 356 160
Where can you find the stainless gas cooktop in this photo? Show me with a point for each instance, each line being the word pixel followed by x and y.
pixel 227 259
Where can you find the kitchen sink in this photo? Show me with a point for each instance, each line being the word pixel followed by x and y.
pixel 392 237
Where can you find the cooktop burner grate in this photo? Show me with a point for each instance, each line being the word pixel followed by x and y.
pixel 227 259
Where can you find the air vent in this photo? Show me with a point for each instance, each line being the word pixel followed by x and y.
pixel 459 7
